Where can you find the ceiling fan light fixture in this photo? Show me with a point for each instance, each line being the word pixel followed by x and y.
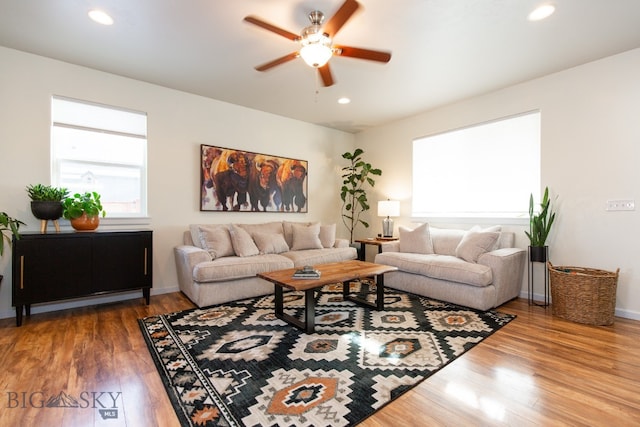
pixel 316 51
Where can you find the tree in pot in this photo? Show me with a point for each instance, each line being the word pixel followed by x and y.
pixel 539 227
pixel 83 211
pixel 356 177
pixel 46 203
pixel 8 227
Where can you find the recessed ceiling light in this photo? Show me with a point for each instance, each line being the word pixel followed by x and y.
pixel 344 100
pixel 541 12
pixel 101 17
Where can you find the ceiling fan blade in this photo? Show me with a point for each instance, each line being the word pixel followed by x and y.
pixel 325 74
pixel 343 14
pixel 356 52
pixel 281 60
pixel 260 23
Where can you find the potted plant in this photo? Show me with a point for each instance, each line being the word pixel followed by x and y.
pixel 46 201
pixel 83 210
pixel 356 177
pixel 11 226
pixel 539 227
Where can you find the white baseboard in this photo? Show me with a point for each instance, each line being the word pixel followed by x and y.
pixel 619 312
pixel 88 301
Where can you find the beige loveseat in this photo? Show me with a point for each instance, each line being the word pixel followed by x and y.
pixel 475 268
pixel 218 263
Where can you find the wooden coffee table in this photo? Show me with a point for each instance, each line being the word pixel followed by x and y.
pixel 335 272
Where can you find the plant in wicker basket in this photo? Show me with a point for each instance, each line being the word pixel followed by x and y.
pixel 539 226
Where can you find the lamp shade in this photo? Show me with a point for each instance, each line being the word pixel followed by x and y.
pixel 388 208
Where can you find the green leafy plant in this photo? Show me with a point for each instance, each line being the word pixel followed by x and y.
pixel 75 206
pixel 540 223
pixel 356 177
pixel 11 225
pixel 39 192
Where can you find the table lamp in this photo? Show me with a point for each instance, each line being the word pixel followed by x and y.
pixel 388 208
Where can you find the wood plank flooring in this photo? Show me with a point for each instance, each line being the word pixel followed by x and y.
pixel 537 371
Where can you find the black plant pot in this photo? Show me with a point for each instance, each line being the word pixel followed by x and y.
pixel 44 209
pixel 538 253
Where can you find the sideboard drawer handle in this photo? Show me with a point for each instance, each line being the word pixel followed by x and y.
pixel 21 271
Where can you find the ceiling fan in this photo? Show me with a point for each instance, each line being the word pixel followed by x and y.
pixel 316 42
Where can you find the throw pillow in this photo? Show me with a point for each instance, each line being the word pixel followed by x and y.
pixel 417 241
pixel 216 240
pixel 287 227
pixel 493 228
pixel 242 242
pixel 328 235
pixel 475 243
pixel 270 243
pixel 306 237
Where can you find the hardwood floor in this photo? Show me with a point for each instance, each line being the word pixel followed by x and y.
pixel 538 370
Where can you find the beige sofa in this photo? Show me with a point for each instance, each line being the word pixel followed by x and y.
pixel 475 268
pixel 218 263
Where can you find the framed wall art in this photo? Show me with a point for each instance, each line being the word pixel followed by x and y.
pixel 242 181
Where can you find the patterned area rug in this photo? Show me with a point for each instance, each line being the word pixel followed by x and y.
pixel 238 365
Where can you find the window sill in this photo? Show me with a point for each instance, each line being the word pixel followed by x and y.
pixel 112 222
pixel 484 220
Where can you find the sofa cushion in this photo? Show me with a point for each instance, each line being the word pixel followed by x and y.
pixel 416 241
pixel 328 235
pixel 306 237
pixel 234 267
pixel 320 256
pixel 243 244
pixel 475 243
pixel 445 240
pixel 270 243
pixel 266 227
pixel 445 267
pixel 216 240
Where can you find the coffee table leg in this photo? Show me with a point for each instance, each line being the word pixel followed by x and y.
pixel 380 291
pixel 278 301
pixel 309 323
pixel 378 305
pixel 309 311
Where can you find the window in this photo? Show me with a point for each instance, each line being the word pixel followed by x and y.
pixel 482 171
pixel 103 149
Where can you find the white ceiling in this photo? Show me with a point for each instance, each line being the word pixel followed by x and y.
pixel 442 50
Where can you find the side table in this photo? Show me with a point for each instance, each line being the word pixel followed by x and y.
pixel 377 241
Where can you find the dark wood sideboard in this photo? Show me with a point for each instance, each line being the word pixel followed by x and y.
pixel 58 266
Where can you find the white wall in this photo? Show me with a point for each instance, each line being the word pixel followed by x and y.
pixel 590 154
pixel 590 147
pixel 178 123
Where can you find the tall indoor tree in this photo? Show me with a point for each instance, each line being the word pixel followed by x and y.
pixel 355 179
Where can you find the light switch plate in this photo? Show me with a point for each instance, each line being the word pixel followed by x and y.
pixel 621 205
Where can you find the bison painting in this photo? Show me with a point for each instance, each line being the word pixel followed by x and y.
pixel 232 180
pixel 242 181
pixel 291 177
pixel 262 182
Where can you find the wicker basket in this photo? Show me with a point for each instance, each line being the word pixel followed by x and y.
pixel 583 295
